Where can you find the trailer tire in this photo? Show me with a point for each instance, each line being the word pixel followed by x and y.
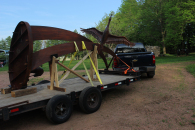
pixel 90 100
pixel 59 109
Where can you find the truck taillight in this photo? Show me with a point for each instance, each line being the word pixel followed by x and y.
pixel 115 62
pixel 153 59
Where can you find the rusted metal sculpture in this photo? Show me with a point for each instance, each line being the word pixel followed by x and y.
pixel 22 60
pixel 106 37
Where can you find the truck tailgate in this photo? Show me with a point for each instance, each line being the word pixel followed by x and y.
pixel 143 58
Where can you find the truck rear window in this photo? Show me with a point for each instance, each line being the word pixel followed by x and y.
pixel 129 50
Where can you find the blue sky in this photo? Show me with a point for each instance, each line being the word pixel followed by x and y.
pixel 65 14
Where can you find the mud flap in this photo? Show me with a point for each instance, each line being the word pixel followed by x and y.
pixel 5 113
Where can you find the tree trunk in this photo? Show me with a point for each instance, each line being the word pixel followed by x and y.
pixel 164 49
pixel 163 43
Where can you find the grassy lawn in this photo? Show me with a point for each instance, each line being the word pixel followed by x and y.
pixel 159 60
pixel 174 59
pixel 191 69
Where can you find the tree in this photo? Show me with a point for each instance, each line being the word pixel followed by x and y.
pixel 160 22
pixel 50 43
pixel 37 45
pixel 5 43
pixel 128 19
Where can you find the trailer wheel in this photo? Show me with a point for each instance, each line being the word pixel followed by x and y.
pixel 59 109
pixel 90 99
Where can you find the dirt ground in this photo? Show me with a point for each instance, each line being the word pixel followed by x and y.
pixel 166 101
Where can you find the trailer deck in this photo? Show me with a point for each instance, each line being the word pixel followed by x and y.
pixel 43 94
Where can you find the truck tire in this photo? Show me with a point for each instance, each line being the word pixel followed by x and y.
pixel 59 109
pixel 90 99
pixel 151 74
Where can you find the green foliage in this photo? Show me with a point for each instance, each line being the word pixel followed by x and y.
pixel 128 18
pixel 161 22
pixel 50 43
pixel 2 56
pixel 5 43
pixel 37 45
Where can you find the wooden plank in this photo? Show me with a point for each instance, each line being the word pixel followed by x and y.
pixel 43 93
pixel 52 72
pixel 22 92
pixel 73 72
pixel 56 75
pixel 94 59
pixel 5 90
pixel 68 72
pixel 57 88
pixel 91 71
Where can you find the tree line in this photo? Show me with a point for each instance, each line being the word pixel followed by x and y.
pixel 165 23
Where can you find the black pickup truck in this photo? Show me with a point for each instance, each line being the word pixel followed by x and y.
pixel 136 57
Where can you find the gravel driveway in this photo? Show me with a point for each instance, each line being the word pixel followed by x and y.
pixel 166 101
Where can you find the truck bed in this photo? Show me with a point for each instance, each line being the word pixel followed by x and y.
pixel 43 93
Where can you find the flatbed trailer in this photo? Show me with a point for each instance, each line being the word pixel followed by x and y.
pixel 77 91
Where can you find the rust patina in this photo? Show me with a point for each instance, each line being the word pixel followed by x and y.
pixel 22 60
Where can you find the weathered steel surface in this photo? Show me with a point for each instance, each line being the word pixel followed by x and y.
pixel 22 60
pixel 43 56
pixel 106 37
pixel 51 33
pixel 20 57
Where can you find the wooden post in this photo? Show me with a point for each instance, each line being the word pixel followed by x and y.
pixel 54 77
pixel 52 73
pixel 95 61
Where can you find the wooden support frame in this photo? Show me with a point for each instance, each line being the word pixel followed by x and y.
pixel 6 90
pixel 95 61
pixel 73 72
pixel 54 74
pixel 23 92
pixel 54 77
pixel 68 72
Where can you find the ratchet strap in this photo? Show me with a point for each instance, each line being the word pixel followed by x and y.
pixel 125 71
pixel 72 58
pixel 76 47
pixel 97 74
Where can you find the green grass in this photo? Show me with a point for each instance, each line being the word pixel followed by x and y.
pixel 159 60
pixel 174 59
pixel 191 69
pixel 101 65
pixel 5 68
